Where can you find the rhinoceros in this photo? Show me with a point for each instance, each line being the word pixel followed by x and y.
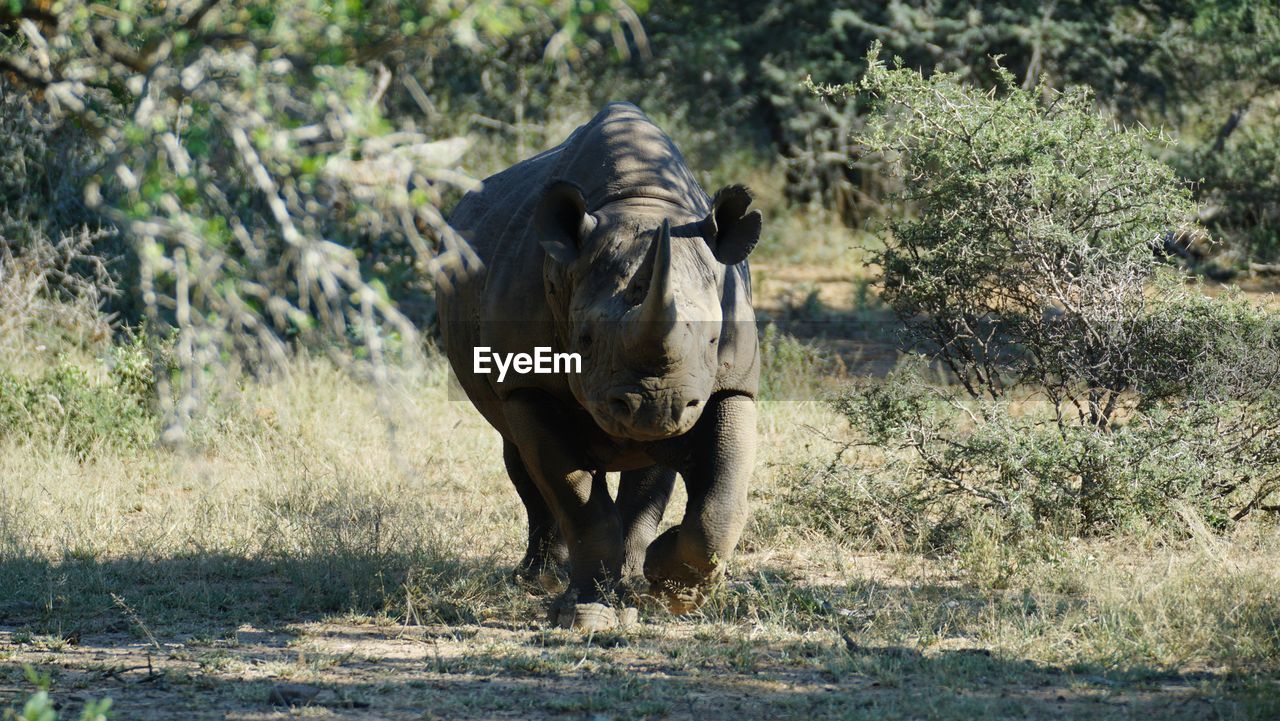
pixel 606 246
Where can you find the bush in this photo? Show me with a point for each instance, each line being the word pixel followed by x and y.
pixel 1031 241
pixel 55 257
pixel 68 407
pixel 1092 390
pixel 948 463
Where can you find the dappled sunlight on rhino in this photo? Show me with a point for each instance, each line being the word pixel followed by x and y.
pixel 606 247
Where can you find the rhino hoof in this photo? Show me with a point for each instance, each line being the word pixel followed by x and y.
pixel 593 617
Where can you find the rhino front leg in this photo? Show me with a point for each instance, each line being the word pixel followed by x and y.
pixel 579 499
pixel 546 555
pixel 687 557
pixel 642 499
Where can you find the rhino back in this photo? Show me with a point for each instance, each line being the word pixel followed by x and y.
pixel 618 154
pixel 622 154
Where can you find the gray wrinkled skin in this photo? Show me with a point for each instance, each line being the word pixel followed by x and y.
pixel 606 246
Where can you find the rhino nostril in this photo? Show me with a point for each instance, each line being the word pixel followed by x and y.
pixel 623 404
pixel 693 403
pixel 619 407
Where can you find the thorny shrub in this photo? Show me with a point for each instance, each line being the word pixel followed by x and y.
pixel 1091 390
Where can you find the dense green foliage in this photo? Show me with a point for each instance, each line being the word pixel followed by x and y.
pixel 1206 71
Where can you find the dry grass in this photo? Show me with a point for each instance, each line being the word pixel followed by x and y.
pixel 315 539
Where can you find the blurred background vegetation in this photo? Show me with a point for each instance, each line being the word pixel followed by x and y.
pixel 134 127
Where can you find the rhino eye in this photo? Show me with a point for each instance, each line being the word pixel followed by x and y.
pixel 637 292
pixel 584 340
pixel 714 340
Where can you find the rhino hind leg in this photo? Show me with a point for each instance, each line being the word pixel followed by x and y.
pixel 577 494
pixel 688 557
pixel 545 564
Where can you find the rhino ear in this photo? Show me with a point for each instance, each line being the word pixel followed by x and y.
pixel 561 221
pixel 731 230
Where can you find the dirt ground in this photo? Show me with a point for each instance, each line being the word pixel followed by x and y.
pixel 500 669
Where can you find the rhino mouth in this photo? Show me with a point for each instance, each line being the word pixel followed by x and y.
pixel 636 414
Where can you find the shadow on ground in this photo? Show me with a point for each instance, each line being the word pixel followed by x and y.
pixel 212 595
pixel 213 636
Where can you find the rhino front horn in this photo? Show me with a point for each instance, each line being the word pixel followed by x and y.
pixel 658 312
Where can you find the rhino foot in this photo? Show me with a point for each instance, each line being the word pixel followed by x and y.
pixel 680 573
pixel 592 617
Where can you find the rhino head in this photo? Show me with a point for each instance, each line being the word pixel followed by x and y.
pixel 636 290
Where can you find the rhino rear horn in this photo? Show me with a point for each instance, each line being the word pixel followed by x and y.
pixel 730 229
pixel 561 221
